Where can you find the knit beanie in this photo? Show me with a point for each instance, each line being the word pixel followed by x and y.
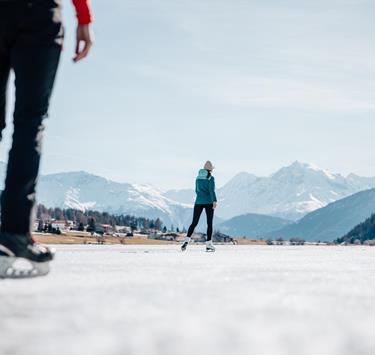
pixel 209 166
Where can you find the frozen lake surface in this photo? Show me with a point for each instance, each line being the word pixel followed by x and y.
pixel 146 300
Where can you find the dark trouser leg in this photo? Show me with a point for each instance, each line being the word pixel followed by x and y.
pixel 197 213
pixel 34 42
pixel 210 216
pixel 35 69
pixel 4 75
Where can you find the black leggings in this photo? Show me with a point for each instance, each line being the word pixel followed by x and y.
pixel 197 213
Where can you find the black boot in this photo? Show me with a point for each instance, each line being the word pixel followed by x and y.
pixel 184 246
pixel 23 246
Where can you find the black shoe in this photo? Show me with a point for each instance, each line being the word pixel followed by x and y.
pixel 23 246
pixel 184 246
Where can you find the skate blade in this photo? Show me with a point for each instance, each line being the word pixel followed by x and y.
pixel 20 268
pixel 210 250
pixel 184 247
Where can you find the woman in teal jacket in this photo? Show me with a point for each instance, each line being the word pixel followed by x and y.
pixel 206 200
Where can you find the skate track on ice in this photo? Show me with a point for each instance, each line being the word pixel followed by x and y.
pixel 155 300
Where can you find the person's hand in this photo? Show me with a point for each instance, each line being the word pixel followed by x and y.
pixel 84 35
pixel 214 205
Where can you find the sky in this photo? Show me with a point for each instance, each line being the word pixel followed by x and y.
pixel 251 85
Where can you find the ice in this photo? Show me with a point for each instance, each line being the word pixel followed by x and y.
pixel 146 300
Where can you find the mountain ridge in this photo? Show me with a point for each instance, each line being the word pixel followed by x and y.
pixel 290 193
pixel 331 221
pixel 252 225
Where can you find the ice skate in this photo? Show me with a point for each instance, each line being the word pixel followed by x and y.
pixel 21 257
pixel 185 244
pixel 210 247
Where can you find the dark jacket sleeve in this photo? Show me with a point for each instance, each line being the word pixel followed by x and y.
pixel 211 188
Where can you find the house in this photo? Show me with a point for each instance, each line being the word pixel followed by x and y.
pixel 60 224
pixel 36 225
pixel 222 238
pixel 123 229
pixel 106 228
pixel 163 236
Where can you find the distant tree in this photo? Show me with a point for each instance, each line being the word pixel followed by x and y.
pixel 59 214
pixel 91 225
pixel 113 225
pixel 164 229
pixel 158 224
pixel 362 232
pixel 147 224
pixel 40 225
pixel 80 217
pixel 133 227
pixel 81 227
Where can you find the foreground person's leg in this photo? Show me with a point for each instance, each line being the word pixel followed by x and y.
pixel 34 80
pixel 34 56
pixel 4 68
pixel 4 75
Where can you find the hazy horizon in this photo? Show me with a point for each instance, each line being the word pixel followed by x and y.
pixel 251 86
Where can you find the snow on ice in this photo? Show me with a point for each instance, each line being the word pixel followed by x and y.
pixel 155 300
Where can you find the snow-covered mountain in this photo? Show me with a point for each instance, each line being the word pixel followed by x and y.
pixel 82 190
pixel 291 192
pixel 186 196
pixel 252 225
pixel 332 221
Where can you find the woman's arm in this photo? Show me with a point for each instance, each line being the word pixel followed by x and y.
pixel 211 187
pixel 83 34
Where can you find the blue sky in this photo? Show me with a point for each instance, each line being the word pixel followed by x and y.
pixel 251 85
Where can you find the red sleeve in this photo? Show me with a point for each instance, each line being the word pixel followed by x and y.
pixel 83 10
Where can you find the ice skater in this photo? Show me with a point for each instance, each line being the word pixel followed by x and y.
pixel 205 200
pixel 31 36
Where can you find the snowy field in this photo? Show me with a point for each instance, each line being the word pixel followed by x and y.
pixel 146 300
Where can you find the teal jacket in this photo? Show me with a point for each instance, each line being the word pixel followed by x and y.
pixel 205 188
